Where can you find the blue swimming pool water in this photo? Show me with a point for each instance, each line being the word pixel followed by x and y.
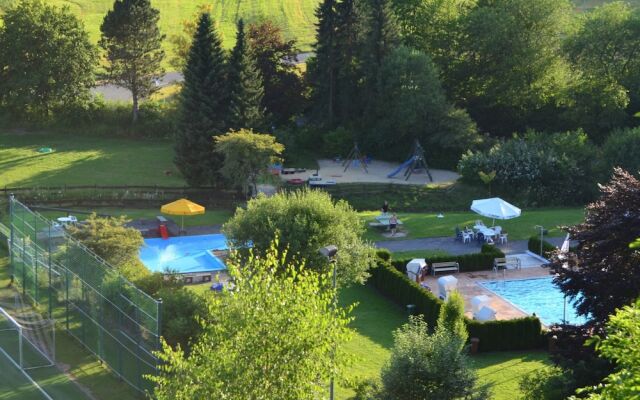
pixel 539 296
pixel 184 254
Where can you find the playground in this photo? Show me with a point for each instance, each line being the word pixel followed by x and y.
pixel 377 172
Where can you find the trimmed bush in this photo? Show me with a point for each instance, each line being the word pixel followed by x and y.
pixel 383 254
pixel 468 262
pixel 534 247
pixel 516 334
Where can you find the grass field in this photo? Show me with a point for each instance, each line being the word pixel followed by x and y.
pixel 295 17
pixel 375 320
pixel 79 160
pixel 420 225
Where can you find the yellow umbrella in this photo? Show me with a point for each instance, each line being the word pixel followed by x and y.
pixel 182 207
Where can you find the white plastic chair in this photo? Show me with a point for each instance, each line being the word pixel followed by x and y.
pixel 466 237
pixel 497 229
pixel 479 222
pixel 503 238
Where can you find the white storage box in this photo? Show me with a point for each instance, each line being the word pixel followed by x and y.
pixel 415 268
pixel 486 313
pixel 446 284
pixel 477 302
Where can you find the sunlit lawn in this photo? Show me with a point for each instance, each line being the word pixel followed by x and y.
pixel 375 320
pixel 85 160
pixel 419 225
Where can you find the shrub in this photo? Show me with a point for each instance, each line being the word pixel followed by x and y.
pixel 468 262
pixel 548 383
pixel 337 143
pixel 621 149
pixel 557 168
pixel 516 334
pixel 534 247
pixel 383 254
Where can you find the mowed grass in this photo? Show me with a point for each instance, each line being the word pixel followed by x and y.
pixel 295 17
pixel 79 160
pixel 421 225
pixel 85 369
pixel 375 320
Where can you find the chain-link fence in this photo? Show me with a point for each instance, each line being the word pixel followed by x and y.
pixel 110 316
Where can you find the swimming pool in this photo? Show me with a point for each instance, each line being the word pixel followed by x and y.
pixel 539 296
pixel 184 254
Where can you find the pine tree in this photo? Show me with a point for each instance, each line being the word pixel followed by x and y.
pixel 246 86
pixel 133 44
pixel 349 103
pixel 204 107
pixel 323 67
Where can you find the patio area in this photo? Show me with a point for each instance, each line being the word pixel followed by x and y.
pixel 468 287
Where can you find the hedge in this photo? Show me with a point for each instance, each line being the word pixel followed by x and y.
pixel 516 334
pixel 468 262
pixel 534 247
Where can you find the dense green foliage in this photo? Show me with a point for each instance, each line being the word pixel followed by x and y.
pixel 275 59
pixel 132 43
pixel 117 244
pixel 468 262
pixel 602 273
pixel 515 334
pixel 538 168
pixel 621 345
pixel 305 221
pixel 203 103
pixel 621 149
pixel 246 155
pixel 424 365
pixel 246 90
pixel 279 332
pixel 534 246
pixel 46 60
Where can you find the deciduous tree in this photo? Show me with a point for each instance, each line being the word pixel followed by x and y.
pixel 46 59
pixel 305 221
pixel 132 43
pixel 246 155
pixel 278 335
pixel 603 273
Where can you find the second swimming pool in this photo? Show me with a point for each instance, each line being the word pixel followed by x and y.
pixel 183 254
pixel 539 296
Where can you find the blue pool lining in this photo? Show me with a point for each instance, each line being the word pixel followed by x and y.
pixel 480 283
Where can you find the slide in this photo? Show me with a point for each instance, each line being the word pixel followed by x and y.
pixel 163 231
pixel 400 168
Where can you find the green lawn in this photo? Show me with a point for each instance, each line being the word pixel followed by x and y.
pixel 420 225
pixel 295 17
pixel 375 320
pixel 79 160
pixel 84 367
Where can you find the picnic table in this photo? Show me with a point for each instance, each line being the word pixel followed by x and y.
pixel 485 231
pixel 382 221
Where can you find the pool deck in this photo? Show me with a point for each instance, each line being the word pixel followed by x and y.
pixel 468 286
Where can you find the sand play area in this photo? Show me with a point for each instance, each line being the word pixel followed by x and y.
pixel 331 170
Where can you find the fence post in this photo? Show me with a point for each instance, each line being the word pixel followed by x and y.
pixel 158 322
pixel 50 274
pixel 11 235
pixel 35 256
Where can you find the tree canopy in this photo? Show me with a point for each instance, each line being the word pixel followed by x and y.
pixel 46 59
pixel 278 335
pixel 132 42
pixel 305 221
pixel 246 155
pixel 603 273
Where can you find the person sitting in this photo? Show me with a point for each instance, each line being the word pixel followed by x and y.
pixel 393 224
pixel 385 207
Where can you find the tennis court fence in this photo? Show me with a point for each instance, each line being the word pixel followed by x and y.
pixel 84 295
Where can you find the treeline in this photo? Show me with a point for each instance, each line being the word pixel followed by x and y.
pixel 457 75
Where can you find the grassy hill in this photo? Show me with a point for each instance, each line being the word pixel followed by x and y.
pixel 296 17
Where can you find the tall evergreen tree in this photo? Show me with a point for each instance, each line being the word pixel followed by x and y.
pixel 380 36
pixel 133 45
pixel 323 67
pixel 204 107
pixel 349 103
pixel 245 86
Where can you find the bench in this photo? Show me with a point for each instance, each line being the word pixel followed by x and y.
pixel 499 263
pixel 444 266
pixel 162 219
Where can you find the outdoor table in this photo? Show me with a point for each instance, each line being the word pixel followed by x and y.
pixel 67 220
pixel 485 231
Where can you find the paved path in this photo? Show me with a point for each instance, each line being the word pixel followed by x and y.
pixel 453 247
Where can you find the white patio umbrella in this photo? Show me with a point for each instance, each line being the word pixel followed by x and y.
pixel 495 208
